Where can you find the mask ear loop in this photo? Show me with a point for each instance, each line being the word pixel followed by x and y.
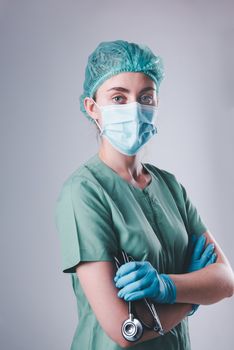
pixel 101 130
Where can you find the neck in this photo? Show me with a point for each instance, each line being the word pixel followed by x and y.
pixel 128 166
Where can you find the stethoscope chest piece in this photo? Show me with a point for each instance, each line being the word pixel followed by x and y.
pixel 132 328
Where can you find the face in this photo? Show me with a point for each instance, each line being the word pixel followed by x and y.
pixel 123 88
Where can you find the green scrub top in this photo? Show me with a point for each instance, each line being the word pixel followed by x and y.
pixel 98 213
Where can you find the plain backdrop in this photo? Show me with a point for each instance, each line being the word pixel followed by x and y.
pixel 44 137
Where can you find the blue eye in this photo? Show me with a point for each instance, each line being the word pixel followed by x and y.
pixel 146 98
pixel 114 98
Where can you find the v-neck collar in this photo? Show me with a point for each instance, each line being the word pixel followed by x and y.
pixel 141 190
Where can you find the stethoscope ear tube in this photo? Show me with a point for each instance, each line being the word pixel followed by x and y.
pixel 132 328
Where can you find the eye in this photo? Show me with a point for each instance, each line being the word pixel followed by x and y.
pixel 146 99
pixel 117 97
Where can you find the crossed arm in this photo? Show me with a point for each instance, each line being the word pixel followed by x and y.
pixel 206 286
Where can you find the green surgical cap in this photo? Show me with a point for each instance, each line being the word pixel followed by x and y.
pixel 113 57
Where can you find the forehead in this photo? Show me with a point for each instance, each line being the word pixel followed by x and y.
pixel 129 80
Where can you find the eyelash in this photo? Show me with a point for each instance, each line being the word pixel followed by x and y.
pixel 116 97
pixel 151 98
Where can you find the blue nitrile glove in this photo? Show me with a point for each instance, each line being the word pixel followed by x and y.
pixel 139 279
pixel 200 258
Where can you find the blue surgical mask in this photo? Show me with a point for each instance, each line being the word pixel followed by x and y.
pixel 128 126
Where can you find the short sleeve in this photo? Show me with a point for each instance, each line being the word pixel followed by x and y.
pixel 84 224
pixel 194 222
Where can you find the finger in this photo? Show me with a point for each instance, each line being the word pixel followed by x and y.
pixel 128 267
pixel 148 279
pixel 207 253
pixel 130 288
pixel 138 285
pixel 212 259
pixel 139 294
pixel 199 247
pixel 134 296
pixel 131 277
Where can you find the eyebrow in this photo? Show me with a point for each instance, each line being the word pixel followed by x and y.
pixel 119 88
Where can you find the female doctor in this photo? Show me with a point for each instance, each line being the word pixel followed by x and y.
pixel 115 201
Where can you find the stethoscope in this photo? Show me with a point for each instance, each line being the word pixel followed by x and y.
pixel 132 328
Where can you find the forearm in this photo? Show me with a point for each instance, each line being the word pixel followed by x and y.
pixel 170 316
pixel 206 286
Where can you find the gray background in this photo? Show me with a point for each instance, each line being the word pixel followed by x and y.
pixel 44 137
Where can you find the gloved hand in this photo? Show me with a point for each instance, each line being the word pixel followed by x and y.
pixel 139 279
pixel 199 258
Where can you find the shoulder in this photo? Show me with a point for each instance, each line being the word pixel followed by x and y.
pixel 81 181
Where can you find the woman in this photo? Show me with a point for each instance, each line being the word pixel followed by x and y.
pixel 114 201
